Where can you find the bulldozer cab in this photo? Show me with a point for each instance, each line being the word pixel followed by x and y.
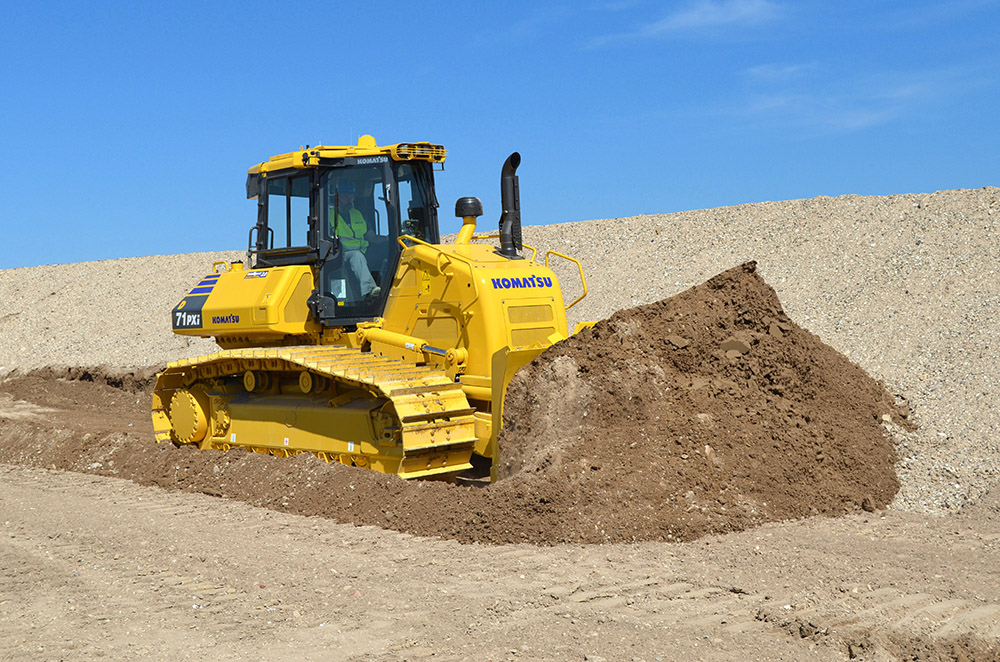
pixel 343 218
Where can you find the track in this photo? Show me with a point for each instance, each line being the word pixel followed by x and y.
pixel 423 425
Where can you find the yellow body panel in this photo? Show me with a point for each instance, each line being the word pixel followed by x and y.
pixel 241 307
pixel 465 296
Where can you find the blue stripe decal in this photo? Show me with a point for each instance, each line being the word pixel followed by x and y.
pixel 200 290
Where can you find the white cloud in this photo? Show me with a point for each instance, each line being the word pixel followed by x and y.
pixel 848 104
pixel 779 72
pixel 712 14
pixel 537 21
pixel 921 15
pixel 698 16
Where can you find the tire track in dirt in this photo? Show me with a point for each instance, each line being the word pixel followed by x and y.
pixel 179 550
pixel 76 562
pixel 623 595
pixel 899 622
pixel 108 571
pixel 144 559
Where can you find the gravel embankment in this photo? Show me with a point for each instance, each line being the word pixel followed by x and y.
pixel 904 285
pixel 111 312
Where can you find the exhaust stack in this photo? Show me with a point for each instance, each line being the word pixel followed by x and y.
pixel 510 199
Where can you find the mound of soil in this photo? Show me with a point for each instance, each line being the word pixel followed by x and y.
pixel 707 412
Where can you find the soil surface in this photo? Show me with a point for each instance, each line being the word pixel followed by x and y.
pixel 709 419
pixel 100 568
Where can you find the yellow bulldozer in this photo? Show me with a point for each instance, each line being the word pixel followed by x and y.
pixel 352 332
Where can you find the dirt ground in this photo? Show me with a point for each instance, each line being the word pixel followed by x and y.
pixel 714 422
pixel 100 568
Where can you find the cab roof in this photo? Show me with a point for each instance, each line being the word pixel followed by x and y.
pixel 311 156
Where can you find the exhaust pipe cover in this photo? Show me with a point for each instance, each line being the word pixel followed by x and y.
pixel 510 199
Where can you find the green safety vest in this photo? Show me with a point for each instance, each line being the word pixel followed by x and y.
pixel 352 235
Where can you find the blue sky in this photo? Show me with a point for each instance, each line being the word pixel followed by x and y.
pixel 127 128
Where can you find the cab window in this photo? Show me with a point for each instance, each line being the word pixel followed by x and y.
pixel 288 212
pixel 416 209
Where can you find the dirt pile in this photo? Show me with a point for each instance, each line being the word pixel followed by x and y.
pixel 707 412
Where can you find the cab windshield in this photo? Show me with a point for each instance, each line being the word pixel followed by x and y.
pixel 365 208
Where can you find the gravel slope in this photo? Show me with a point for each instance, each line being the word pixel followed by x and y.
pixel 905 285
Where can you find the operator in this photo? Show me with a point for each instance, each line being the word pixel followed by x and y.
pixel 353 231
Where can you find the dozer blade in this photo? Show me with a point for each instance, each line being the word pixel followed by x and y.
pixel 340 403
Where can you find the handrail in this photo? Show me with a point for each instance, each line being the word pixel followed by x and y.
pixel 441 254
pixel 579 266
pixel 440 267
